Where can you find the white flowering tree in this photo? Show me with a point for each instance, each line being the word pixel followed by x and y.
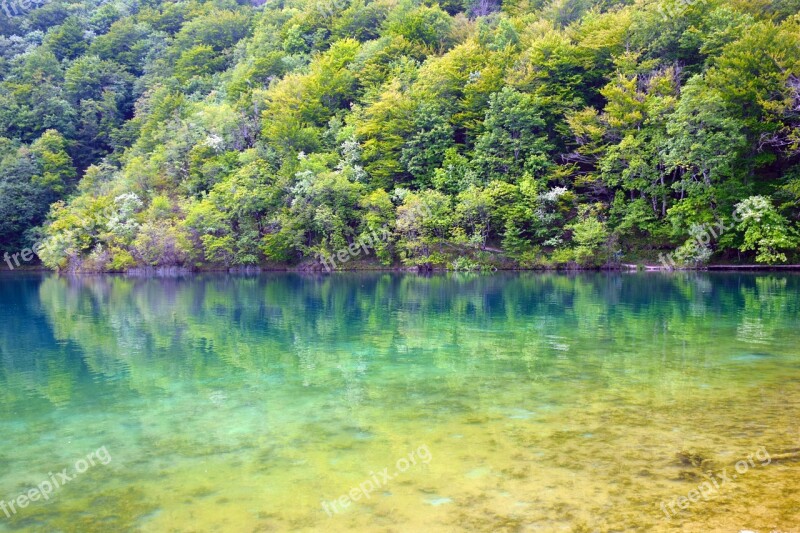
pixel 766 231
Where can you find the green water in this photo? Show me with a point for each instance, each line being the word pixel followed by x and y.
pixel 495 403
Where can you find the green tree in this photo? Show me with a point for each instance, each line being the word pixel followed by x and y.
pixel 514 140
pixel 426 25
pixel 66 40
pixel 423 222
pixel 57 172
pixel 766 231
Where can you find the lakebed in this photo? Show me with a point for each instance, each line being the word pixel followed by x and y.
pixel 397 402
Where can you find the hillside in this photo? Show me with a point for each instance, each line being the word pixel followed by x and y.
pixel 462 134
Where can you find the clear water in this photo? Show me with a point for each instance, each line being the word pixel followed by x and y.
pixel 527 402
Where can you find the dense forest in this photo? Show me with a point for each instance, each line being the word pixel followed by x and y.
pixel 468 134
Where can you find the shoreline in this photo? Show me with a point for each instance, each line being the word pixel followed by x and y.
pixel 624 268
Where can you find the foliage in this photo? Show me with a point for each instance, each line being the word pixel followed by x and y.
pixel 589 235
pixel 766 231
pixel 539 133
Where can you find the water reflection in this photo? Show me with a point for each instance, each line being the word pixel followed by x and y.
pixel 59 331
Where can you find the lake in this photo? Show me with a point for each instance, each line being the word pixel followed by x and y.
pixel 392 402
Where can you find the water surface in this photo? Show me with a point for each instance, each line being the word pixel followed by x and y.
pixel 496 403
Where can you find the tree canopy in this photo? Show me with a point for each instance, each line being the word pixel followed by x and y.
pixel 478 134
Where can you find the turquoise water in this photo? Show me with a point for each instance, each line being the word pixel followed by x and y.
pixel 386 402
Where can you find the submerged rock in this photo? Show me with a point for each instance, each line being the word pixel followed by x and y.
pixel 436 502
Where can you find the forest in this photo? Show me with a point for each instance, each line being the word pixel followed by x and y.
pixel 471 134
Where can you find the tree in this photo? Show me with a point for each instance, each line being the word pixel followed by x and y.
pixel 475 211
pixel 706 146
pixel 379 219
pixel 425 150
pixel 426 25
pixel 101 93
pixel 766 231
pixel 514 140
pixel 382 129
pixel 589 235
pixel 57 173
pixel 67 41
pixel 423 222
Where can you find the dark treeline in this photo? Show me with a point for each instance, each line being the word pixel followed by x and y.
pixel 479 133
